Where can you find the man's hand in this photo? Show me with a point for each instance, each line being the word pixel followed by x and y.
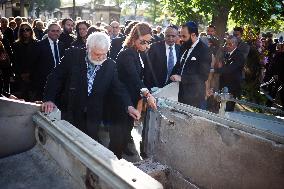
pixel 47 107
pixel 219 64
pixel 133 113
pixel 175 78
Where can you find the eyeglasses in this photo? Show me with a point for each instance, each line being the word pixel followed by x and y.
pixel 25 30
pixel 144 42
pixel 115 27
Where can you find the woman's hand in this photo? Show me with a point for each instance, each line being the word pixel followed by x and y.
pixel 152 102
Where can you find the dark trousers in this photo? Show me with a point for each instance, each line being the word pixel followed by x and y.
pixel 80 122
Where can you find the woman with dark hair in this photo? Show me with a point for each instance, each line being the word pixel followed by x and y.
pixel 81 31
pixel 130 64
pixel 93 29
pixel 23 60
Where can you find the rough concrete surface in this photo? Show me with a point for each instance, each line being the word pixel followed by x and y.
pixel 213 155
pixel 33 169
pixel 16 126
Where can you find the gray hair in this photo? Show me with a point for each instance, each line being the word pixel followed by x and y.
pixel 98 40
pixel 233 39
pixel 50 24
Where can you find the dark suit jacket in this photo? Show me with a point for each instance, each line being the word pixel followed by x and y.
pixel 71 78
pixel 130 72
pixel 67 39
pixel 231 73
pixel 156 69
pixel 195 73
pixel 116 46
pixel 44 64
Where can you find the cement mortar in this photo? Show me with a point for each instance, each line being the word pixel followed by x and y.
pixel 213 155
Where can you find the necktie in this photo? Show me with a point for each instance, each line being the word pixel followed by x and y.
pixel 170 61
pixel 56 56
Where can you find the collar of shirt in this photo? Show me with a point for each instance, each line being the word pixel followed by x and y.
pixel 90 65
pixel 168 46
pixel 195 43
pixel 51 43
pixel 232 51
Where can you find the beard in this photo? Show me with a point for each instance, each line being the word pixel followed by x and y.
pixel 96 62
pixel 187 44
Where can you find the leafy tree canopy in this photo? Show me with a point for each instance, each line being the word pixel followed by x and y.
pixel 261 13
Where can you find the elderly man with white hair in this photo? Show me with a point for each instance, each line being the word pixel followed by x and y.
pixel 85 77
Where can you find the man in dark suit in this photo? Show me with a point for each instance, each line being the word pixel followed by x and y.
pixel 231 71
pixel 48 55
pixel 67 36
pixel 193 68
pixel 86 77
pixel 243 47
pixel 115 30
pixel 163 55
pixel 117 43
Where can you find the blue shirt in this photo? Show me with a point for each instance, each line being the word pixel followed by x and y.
pixel 91 74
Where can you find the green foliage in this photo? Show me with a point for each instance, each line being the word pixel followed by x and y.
pixel 261 13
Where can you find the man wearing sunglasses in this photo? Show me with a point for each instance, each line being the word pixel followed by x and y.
pixel 163 55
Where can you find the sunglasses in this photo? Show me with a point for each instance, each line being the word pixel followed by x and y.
pixel 25 30
pixel 144 42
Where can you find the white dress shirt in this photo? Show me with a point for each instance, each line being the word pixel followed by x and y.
pixel 188 54
pixel 168 51
pixel 51 43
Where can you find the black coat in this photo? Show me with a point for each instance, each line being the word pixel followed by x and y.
pixel 66 39
pixel 23 56
pixel 79 43
pixel 130 72
pixel 116 46
pixel 156 69
pixel 231 73
pixel 44 64
pixel 194 75
pixel 71 77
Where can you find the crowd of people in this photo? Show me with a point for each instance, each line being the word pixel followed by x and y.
pixel 104 73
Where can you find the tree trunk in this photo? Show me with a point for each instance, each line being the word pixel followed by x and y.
pixel 155 12
pixel 74 9
pixel 22 8
pixel 220 19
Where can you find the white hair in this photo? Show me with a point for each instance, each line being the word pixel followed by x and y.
pixel 234 40
pixel 98 40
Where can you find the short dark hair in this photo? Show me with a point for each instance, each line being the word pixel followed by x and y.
pixel 191 27
pixel 65 20
pixel 172 26
pixel 238 28
pixel 211 26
